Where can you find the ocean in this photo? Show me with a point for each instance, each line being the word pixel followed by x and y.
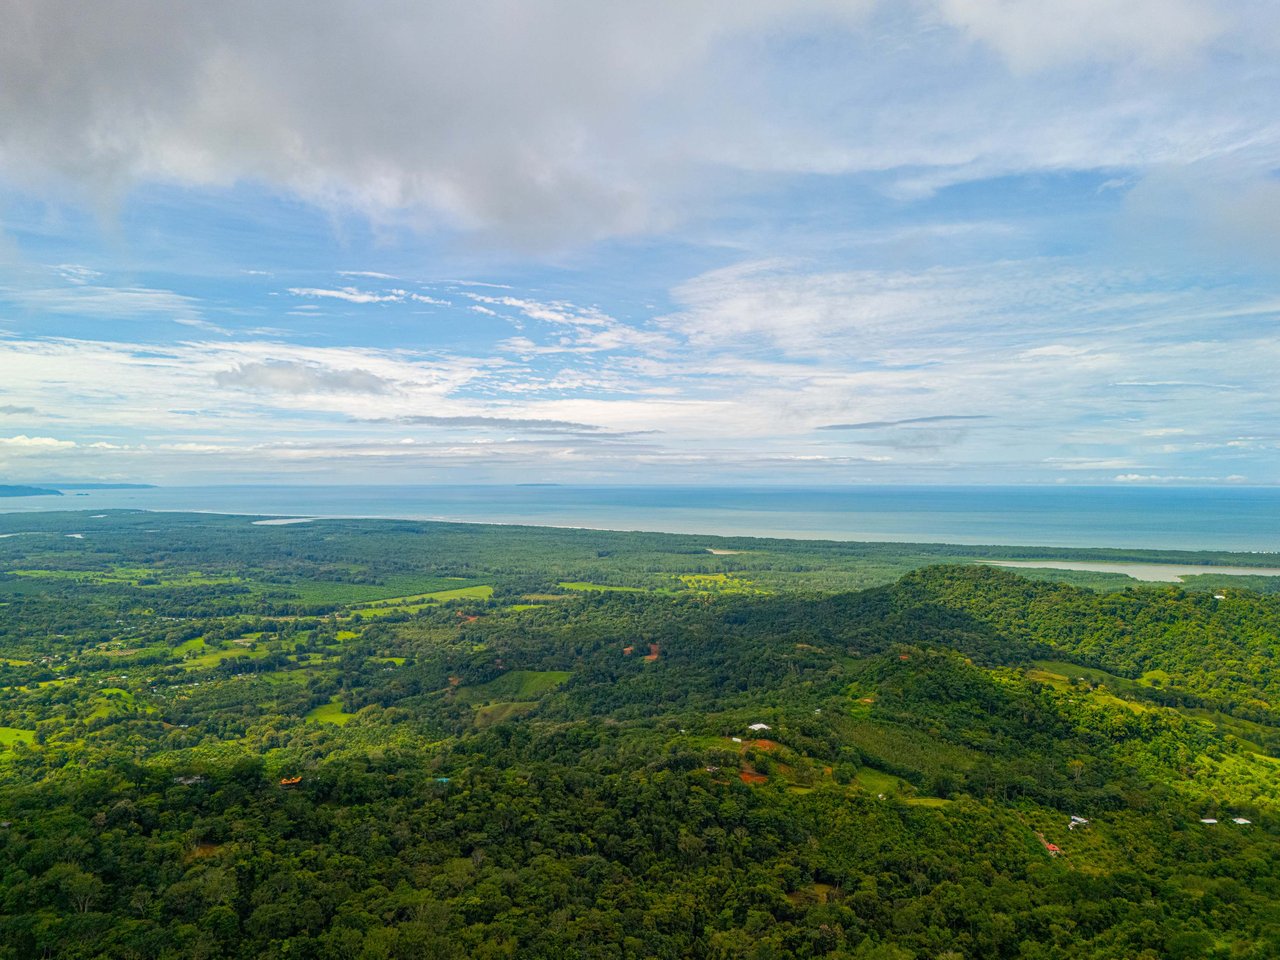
pixel 1165 518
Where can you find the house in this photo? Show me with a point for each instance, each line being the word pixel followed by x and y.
pixel 288 782
pixel 1241 820
pixel 757 727
pixel 736 739
pixel 1053 848
pixel 1208 820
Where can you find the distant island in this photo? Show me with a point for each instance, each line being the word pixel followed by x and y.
pixel 55 489
pixel 104 486
pixel 11 490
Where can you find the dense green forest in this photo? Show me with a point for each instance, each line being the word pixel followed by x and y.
pixel 377 739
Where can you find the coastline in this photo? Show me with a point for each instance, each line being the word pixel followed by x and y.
pixel 1167 565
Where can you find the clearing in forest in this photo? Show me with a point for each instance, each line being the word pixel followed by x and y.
pixel 331 712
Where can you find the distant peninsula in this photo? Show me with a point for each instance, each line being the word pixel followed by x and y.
pixel 104 486
pixel 11 490
pixel 46 489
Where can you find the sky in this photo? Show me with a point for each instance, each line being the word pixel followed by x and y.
pixel 706 241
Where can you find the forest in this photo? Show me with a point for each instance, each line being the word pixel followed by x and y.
pixel 221 738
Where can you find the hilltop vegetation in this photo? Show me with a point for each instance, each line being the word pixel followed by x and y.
pixel 549 743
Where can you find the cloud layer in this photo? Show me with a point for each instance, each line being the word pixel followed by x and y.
pixel 842 240
pixel 572 121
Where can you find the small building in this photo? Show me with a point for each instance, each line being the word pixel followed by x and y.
pixel 1241 820
pixel 1208 820
pixel 757 727
pixel 290 782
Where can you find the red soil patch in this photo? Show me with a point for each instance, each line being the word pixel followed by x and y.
pixel 467 619
pixel 765 745
pixel 750 776
pixel 653 652
pixel 628 651
pixel 454 681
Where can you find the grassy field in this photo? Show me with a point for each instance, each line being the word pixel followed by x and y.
pixel 516 685
pixel 874 781
pixel 11 735
pixel 420 601
pixel 725 583
pixel 599 587
pixel 328 591
pixel 114 702
pixel 153 577
pixel 215 657
pixel 487 716
pixel 331 712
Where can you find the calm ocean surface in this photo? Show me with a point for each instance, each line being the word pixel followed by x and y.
pixel 1237 518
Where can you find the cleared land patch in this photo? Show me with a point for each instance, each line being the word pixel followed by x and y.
pixel 717 583
pixel 420 601
pixel 492 713
pixel 215 657
pixel 331 712
pixel 11 735
pixel 515 685
pixel 583 586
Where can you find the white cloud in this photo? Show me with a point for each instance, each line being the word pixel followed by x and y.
pixel 203 325
pixel 586 329
pixel 1040 34
pixel 23 442
pixel 349 294
pixel 591 120
pixel 293 377
pixel 74 273
pixel 1183 478
pixel 108 303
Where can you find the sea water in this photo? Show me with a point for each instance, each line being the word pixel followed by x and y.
pixel 1166 518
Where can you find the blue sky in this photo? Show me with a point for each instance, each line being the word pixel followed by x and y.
pixel 938 241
